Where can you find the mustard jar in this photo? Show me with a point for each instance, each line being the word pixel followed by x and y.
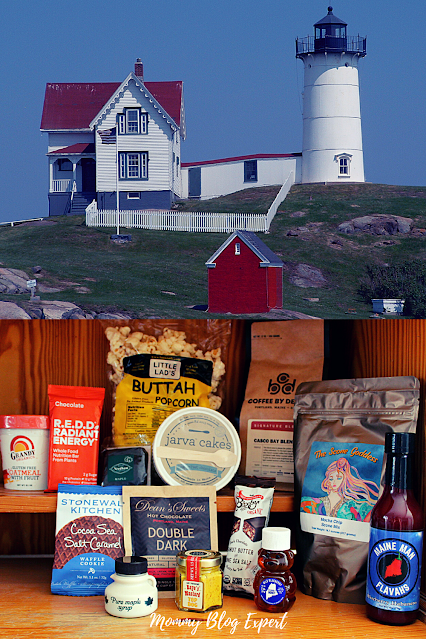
pixel 133 593
pixel 198 580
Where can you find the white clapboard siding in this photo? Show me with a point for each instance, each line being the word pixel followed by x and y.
pixel 157 143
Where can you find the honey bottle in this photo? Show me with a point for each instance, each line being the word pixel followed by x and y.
pixel 395 549
pixel 274 584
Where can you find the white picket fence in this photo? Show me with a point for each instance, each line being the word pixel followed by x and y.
pixel 193 221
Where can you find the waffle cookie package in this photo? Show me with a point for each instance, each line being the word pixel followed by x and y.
pixel 253 501
pixel 89 538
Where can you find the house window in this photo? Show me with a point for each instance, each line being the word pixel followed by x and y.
pixel 133 166
pixel 250 171
pixel 344 161
pixel 64 165
pixel 132 122
pixel 344 166
pixel 237 248
pixel 133 195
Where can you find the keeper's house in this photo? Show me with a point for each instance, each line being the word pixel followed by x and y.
pixel 244 276
pixel 106 138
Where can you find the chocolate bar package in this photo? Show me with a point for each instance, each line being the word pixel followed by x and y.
pixel 339 434
pixel 89 537
pixel 160 521
pixel 253 501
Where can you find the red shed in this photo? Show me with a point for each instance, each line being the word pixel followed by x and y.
pixel 244 276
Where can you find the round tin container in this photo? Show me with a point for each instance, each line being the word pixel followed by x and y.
pixel 196 446
pixel 25 451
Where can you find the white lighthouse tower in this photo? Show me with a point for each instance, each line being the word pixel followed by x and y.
pixel 332 139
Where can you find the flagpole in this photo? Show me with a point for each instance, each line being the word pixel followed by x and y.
pixel 116 178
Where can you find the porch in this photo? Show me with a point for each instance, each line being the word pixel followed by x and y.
pixel 72 179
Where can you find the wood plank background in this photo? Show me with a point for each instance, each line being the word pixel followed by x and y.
pixel 38 352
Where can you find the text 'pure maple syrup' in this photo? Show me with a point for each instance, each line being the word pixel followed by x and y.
pixel 274 584
pixel 395 548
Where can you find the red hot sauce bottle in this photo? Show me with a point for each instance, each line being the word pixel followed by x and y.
pixel 274 584
pixel 395 548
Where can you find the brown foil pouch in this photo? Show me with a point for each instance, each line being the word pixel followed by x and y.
pixel 283 355
pixel 339 434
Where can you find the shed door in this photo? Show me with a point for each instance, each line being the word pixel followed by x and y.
pixel 194 182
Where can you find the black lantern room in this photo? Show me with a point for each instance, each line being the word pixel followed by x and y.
pixel 330 33
pixel 331 37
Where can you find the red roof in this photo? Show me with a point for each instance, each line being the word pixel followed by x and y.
pixel 80 147
pixel 257 156
pixel 74 105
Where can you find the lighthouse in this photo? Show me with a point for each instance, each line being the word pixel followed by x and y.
pixel 332 139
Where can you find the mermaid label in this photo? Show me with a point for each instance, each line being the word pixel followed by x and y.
pixel 340 488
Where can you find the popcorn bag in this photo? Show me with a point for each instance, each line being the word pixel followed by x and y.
pixel 183 349
pixel 75 412
pixel 154 387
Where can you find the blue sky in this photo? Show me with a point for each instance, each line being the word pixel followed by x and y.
pixel 242 82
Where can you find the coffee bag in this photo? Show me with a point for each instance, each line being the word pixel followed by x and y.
pixel 283 355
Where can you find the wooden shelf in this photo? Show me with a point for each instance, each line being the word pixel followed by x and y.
pixel 20 501
pixel 28 609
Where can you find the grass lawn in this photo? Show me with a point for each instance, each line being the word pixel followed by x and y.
pixel 161 273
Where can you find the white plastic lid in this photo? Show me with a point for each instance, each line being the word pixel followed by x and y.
pixel 276 538
pixel 196 446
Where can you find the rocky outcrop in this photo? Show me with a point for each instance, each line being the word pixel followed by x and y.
pixel 377 225
pixel 13 281
pixel 10 310
pixel 307 276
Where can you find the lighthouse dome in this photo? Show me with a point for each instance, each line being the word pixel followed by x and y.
pixel 330 33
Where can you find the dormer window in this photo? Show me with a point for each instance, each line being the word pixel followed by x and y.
pixel 133 122
pixel 344 161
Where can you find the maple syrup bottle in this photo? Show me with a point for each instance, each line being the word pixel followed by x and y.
pixel 274 584
pixel 395 549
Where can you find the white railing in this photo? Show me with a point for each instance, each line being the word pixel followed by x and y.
pixel 282 194
pixel 160 220
pixel 193 221
pixel 33 219
pixel 61 186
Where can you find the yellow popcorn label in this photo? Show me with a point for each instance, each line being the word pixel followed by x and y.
pixel 154 387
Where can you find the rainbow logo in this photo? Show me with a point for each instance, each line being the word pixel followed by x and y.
pixel 21 447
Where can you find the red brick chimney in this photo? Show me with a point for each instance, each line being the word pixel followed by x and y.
pixel 139 69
